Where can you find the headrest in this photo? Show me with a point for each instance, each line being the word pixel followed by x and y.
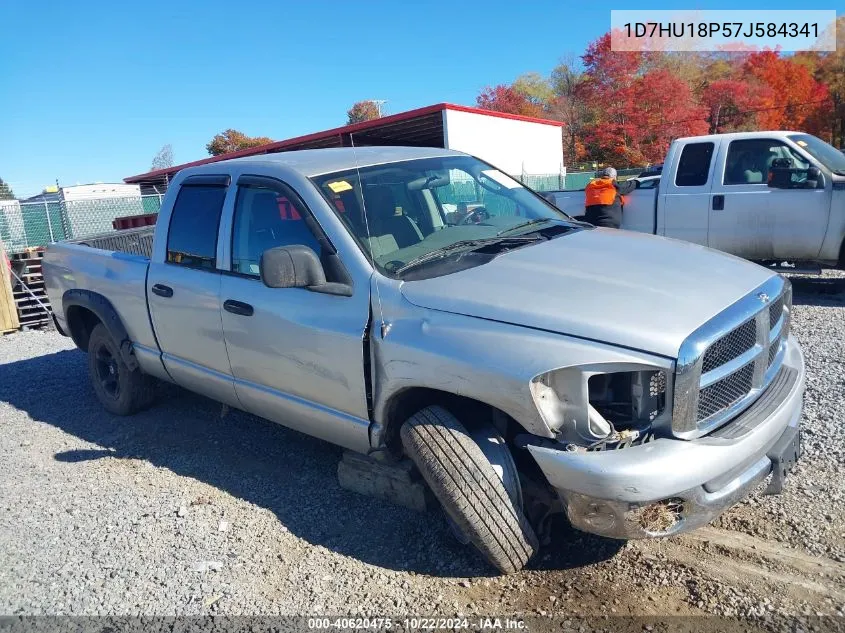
pixel 379 201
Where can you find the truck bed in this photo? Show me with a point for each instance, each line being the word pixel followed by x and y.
pixel 113 265
pixel 133 241
pixel 637 216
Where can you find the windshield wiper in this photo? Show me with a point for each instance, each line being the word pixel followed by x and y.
pixel 462 245
pixel 522 225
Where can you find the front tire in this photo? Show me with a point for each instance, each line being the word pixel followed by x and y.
pixel 120 390
pixel 468 488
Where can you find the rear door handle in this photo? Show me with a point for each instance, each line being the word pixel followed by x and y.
pixel 719 202
pixel 162 290
pixel 238 307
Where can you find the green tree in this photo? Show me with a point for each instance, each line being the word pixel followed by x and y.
pixel 568 107
pixel 362 111
pixel 232 140
pixel 6 192
pixel 534 87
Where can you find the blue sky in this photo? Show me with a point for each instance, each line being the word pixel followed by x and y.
pixel 90 90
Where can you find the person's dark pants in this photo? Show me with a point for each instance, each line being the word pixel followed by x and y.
pixel 605 215
pixel 606 223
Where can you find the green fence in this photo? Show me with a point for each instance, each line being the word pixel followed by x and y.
pixel 577 181
pixel 28 224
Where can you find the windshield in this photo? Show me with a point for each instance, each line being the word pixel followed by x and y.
pixel 419 210
pixel 826 154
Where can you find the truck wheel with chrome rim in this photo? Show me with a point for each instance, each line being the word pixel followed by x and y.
pixel 120 390
pixel 468 487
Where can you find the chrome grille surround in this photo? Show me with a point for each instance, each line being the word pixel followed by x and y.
pixel 712 387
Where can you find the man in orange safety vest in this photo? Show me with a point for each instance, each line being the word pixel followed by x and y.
pixel 604 199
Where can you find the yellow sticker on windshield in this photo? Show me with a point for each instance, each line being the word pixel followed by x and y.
pixel 339 185
pixel 802 143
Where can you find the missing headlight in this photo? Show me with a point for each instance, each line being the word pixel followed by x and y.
pixel 628 399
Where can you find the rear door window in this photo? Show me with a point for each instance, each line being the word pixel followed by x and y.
pixel 192 236
pixel 694 165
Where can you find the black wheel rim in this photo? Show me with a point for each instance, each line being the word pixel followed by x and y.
pixel 108 372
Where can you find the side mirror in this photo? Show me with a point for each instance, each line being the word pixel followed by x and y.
pixel 781 177
pixel 291 267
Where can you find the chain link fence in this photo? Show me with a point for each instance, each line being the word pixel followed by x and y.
pixel 30 224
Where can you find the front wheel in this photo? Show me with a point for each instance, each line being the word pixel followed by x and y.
pixel 467 486
pixel 120 390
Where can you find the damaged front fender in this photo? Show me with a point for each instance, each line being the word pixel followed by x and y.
pixel 484 360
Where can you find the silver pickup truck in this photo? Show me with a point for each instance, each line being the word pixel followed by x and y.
pixel 419 303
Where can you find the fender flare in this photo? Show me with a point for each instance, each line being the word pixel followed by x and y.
pixel 105 311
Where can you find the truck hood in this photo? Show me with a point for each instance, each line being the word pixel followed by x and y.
pixel 629 289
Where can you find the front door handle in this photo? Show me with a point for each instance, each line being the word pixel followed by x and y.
pixel 238 307
pixel 719 202
pixel 162 291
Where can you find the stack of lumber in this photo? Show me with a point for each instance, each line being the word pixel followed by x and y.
pixel 8 312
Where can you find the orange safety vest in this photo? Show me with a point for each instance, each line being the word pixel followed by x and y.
pixel 600 191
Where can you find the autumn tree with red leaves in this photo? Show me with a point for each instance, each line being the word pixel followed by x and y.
pixel 507 99
pixel 608 90
pixel 232 140
pixel 665 109
pixel 363 111
pixel 625 108
pixel 794 99
pixel 730 104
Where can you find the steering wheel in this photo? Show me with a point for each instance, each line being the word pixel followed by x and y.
pixel 476 216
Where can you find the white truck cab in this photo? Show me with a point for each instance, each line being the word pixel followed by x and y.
pixel 763 196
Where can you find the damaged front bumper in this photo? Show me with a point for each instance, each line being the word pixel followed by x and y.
pixel 669 485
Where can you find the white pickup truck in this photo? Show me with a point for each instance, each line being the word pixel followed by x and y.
pixel 764 196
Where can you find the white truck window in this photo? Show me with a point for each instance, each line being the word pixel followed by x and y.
pixel 266 218
pixel 192 236
pixel 694 165
pixel 749 160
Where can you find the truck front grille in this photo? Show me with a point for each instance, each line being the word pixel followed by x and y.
pixel 726 364
pixel 775 312
pixel 773 350
pixel 725 392
pixel 730 346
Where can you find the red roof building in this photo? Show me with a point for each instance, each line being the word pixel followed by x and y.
pixel 516 144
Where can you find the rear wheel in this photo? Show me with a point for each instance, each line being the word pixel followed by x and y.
pixel 469 489
pixel 120 390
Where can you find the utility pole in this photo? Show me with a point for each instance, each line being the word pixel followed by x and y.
pixel 379 103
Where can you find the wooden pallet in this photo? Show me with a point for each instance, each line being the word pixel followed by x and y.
pixel 31 297
pixel 8 311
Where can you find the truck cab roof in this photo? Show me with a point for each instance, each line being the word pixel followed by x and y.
pixel 736 136
pixel 314 162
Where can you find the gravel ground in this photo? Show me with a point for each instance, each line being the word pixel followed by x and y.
pixel 186 510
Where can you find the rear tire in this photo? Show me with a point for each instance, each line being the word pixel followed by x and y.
pixel 468 488
pixel 120 390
